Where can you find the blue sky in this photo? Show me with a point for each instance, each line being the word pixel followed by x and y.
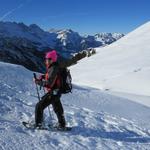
pixel 83 16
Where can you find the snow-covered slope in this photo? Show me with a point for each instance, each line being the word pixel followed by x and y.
pixel 122 67
pixel 100 121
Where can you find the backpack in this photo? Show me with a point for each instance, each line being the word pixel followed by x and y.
pixel 66 80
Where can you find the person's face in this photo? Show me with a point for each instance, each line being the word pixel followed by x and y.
pixel 48 62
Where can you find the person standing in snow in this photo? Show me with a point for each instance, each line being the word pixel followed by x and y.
pixel 50 81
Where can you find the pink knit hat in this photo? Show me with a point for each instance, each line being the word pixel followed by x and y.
pixel 51 55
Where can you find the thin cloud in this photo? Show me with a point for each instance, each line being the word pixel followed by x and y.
pixel 11 11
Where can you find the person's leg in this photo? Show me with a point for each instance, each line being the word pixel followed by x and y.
pixel 57 106
pixel 40 106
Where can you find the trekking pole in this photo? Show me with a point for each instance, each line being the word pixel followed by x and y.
pixel 36 87
pixel 50 114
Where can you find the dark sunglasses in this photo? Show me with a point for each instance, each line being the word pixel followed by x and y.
pixel 47 59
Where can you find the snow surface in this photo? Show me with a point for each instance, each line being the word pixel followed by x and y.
pixel 99 120
pixel 111 119
pixel 123 67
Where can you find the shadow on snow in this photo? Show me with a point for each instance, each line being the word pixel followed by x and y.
pixel 126 136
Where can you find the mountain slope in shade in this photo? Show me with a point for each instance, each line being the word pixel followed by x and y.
pixel 64 40
pixel 27 45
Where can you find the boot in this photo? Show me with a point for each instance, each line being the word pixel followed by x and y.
pixel 39 126
pixel 62 122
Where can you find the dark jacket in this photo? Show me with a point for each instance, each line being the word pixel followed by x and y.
pixel 52 78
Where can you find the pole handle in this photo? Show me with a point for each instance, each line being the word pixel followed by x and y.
pixel 34 75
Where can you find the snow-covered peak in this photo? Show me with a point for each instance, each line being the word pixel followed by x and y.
pixel 64 34
pixel 117 35
pixel 104 34
pixel 68 36
pixel 107 38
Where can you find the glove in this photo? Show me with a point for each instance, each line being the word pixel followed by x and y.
pixel 41 77
pixel 37 81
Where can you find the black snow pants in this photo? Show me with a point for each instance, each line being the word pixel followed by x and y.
pixel 46 100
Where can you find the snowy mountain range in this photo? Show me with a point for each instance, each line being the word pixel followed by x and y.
pixel 26 45
pixel 108 108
